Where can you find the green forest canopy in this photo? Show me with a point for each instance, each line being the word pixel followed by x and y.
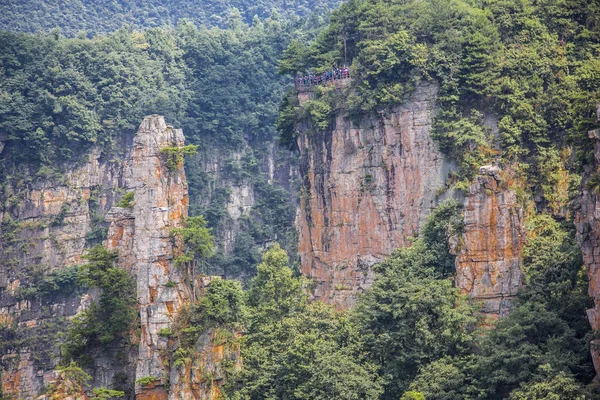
pixel 92 17
pixel 533 65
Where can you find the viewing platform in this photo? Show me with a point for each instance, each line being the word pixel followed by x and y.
pixel 340 83
pixel 305 92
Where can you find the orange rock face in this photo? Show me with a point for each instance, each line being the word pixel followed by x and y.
pixel 366 190
pixel 587 222
pixel 489 260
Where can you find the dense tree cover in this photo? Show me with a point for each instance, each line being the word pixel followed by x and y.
pixel 547 334
pixel 74 16
pixel 59 96
pixel 107 320
pixel 412 315
pixel 294 349
pixel 413 335
pixel 531 64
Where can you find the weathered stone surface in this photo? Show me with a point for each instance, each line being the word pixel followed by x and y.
pixel 587 222
pixel 52 219
pixel 489 259
pixel 62 387
pixel 202 376
pixel 142 236
pixel 224 174
pixel 365 191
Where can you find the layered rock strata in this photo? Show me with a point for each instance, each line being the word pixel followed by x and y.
pixel 142 235
pixel 489 253
pixel 46 226
pixel 366 189
pixel 587 222
pixel 57 223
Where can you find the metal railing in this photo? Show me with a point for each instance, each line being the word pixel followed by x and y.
pixel 309 82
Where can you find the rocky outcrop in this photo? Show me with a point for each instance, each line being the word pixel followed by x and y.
pixel 587 222
pixel 215 352
pixel 57 223
pixel 366 189
pixel 142 236
pixel 489 253
pixel 46 225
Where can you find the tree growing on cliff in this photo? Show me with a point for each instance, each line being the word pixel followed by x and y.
pixel 198 245
pixel 109 319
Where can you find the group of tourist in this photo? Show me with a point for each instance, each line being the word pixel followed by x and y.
pixel 327 76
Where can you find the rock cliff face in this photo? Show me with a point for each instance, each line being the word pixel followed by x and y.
pixel 50 229
pixel 587 222
pixel 46 225
pixel 142 236
pixel 231 191
pixel 489 259
pixel 366 190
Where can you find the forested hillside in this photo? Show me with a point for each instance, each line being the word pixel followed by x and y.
pixel 62 96
pixel 516 84
pixel 91 17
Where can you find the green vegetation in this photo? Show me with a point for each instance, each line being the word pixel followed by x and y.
pixel 197 241
pixel 413 335
pixel 165 332
pixel 146 380
pixel 127 200
pixel 110 318
pixel 63 282
pixel 293 349
pixel 221 306
pixel 532 65
pixel 37 15
pixel 175 155
pixel 107 394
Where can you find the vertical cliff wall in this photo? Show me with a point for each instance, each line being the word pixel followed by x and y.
pixel 366 190
pixel 489 253
pixel 46 224
pixel 248 196
pixel 142 236
pixel 587 222
pixel 50 229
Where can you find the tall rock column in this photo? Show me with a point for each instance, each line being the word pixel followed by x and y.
pixel 587 222
pixel 142 236
pixel 366 189
pixel 489 259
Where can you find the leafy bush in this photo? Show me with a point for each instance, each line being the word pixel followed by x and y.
pixel 106 394
pixel 165 332
pixel 127 200
pixel 221 305
pixel 146 380
pixel 109 319
pixel 175 155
